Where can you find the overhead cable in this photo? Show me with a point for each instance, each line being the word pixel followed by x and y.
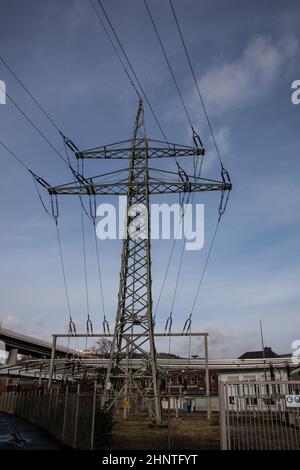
pixel 131 68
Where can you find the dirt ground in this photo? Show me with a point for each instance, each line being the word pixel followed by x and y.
pixel 187 432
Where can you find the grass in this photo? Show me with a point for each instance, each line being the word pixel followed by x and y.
pixel 188 432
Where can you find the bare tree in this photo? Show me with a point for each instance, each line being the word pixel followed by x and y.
pixel 102 347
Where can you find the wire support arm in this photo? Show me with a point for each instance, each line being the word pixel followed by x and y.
pixel 155 151
pixel 154 187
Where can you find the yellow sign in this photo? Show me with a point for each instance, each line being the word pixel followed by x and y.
pixel 126 405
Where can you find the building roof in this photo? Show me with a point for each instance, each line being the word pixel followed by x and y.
pixel 267 353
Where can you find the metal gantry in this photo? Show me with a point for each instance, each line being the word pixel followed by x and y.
pixel 134 327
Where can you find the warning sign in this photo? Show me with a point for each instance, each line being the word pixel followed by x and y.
pixel 126 405
pixel 292 401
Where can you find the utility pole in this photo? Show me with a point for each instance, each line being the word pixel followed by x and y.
pixel 133 338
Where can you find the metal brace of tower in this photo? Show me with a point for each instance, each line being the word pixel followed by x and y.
pixel 134 314
pixel 132 370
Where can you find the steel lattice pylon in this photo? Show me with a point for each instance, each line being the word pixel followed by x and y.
pixel 133 334
pixel 134 314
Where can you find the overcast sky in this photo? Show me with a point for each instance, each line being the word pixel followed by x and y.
pixel 245 55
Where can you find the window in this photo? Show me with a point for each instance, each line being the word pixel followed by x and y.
pixel 251 401
pixel 212 379
pixel 231 400
pixel 269 401
pixel 192 380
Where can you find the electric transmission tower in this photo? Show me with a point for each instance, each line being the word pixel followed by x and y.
pixel 132 370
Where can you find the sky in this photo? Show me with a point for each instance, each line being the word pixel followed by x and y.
pixel 245 56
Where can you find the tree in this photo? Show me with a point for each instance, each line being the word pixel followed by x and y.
pixel 102 347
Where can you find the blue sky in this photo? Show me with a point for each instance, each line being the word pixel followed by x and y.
pixel 245 55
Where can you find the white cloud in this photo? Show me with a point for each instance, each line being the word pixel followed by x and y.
pixel 235 83
pixel 222 136
pixel 226 343
pixel 222 342
pixel 10 322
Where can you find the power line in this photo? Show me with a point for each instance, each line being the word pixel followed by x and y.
pixel 115 49
pixel 53 216
pixel 21 83
pixel 92 217
pixel 18 159
pixel 168 63
pixel 205 267
pixel 36 128
pixel 63 269
pixel 34 176
pixel 224 173
pixel 132 69
pixel 221 211
pixel 196 84
pixel 99 272
pixel 165 275
pixel 84 264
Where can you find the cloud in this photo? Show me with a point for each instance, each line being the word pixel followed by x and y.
pixel 222 343
pixel 10 322
pixel 222 137
pixel 235 83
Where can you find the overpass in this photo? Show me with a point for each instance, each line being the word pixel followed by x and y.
pixel 17 343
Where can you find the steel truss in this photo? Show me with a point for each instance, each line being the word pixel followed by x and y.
pixel 133 333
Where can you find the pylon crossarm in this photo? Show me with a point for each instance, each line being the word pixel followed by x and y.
pixel 156 151
pixel 154 187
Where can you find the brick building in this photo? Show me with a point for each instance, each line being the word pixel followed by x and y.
pixel 191 382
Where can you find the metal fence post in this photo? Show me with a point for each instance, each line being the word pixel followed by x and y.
pixel 8 401
pixel 55 411
pixel 207 376
pixel 76 416
pixel 223 430
pixel 93 415
pixel 176 407
pixel 52 360
pixel 49 407
pixel 65 413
